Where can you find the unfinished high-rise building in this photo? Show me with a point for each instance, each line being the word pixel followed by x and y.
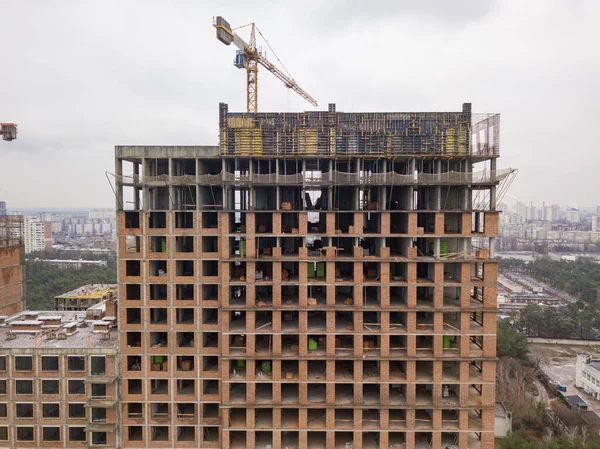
pixel 318 280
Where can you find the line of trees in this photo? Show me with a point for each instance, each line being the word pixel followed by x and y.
pixel 43 281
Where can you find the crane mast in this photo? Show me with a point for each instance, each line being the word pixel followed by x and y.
pixel 249 57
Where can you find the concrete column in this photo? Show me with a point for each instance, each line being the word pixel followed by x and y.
pixel 118 185
pixel 383 189
pixel 492 247
pixel 493 188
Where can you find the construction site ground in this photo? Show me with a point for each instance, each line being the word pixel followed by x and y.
pixel 559 363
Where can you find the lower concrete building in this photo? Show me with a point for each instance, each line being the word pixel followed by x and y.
pixel 58 380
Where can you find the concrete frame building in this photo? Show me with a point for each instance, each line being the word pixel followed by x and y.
pixel 58 380
pixel 311 282
pixel 12 265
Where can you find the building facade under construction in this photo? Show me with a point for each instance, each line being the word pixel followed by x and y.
pixel 317 280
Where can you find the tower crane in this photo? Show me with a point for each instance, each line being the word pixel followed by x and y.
pixel 249 57
pixel 8 131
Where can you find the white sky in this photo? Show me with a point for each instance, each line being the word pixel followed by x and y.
pixel 80 77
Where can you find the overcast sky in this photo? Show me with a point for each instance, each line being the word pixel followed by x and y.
pixel 80 77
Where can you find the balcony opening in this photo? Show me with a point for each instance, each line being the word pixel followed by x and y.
pixel 398 296
pixel 316 370
pixel 135 433
pixel 210 244
pixel 159 433
pixel 372 296
pixel 210 363
pixel 185 339
pixel 344 296
pixel 185 363
pixel 344 370
pixel 134 386
pixel 184 292
pixel 25 433
pixel 289 393
pixel 397 393
pixel 186 433
pixel 159 386
pixel 132 220
pixel 133 292
pixel 210 292
pixel 159 339
pixel 98 414
pixel 209 267
pixel 50 386
pixel 50 363
pixel 98 365
pixel 184 267
pixel 76 387
pixel 397 345
pixel 158 244
pixel 289 419
pixel 158 268
pixel 134 339
pixel 24 410
pixel 316 393
pixel 316 439
pixel 263 418
pixel 159 315
pixel 134 316
pixel 184 220
pixel 158 220
pixel 98 391
pixel 132 268
pixel 186 410
pixel 134 363
pixel 316 418
pixel 371 370
pixel 237 393
pixel 264 440
pixel 424 370
pixel 237 439
pixel 289 295
pixel 184 244
pixel 185 316
pixel 210 220
pixel 186 387
pixel 344 439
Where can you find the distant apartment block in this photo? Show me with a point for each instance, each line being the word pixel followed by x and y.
pixel 37 235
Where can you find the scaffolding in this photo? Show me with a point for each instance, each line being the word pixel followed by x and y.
pixel 11 231
pixel 375 134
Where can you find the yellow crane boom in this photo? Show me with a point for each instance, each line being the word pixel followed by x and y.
pixel 248 57
pixel 8 131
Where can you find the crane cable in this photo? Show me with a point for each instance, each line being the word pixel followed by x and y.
pixel 274 54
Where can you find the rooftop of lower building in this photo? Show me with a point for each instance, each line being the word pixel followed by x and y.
pixel 48 329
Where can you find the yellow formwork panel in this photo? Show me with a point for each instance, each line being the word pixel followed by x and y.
pixel 248 141
pixel 307 140
pixel 240 122
pixel 332 140
pixel 450 140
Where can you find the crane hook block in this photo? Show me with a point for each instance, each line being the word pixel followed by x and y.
pixel 8 131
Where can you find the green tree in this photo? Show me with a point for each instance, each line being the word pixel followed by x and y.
pixel 510 342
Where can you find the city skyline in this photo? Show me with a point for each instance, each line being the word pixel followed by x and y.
pixel 169 82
